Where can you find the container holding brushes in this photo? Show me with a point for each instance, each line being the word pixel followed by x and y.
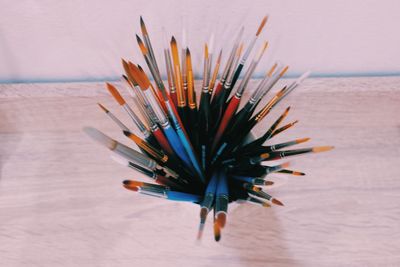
pixel 203 151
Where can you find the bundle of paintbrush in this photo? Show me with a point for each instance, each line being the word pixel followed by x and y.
pixel 202 151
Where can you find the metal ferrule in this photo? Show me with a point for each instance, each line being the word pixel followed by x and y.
pixel 142 111
pixel 221 203
pixel 118 122
pixel 246 79
pixel 248 50
pixel 205 76
pixel 261 194
pixel 151 52
pixel 231 73
pixel 208 201
pixel 146 105
pixel 134 156
pixel 151 191
pixel 142 170
pixel 170 172
pixel 137 121
pixel 170 72
pixel 155 106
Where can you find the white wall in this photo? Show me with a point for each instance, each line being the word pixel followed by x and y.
pixel 52 40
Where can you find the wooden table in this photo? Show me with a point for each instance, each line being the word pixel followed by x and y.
pixel 62 203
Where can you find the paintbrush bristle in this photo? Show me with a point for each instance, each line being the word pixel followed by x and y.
pixel 103 108
pixel 114 92
pixel 262 24
pixel 272 69
pixel 283 71
pixel 322 149
pixel 277 202
pixel 143 26
pixel 119 159
pixel 302 140
pixel 100 137
pixel 217 232
pixel 221 219
pixel 141 45
pixel 285 165
pixel 268 183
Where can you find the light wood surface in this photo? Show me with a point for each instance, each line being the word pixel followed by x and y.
pixel 62 203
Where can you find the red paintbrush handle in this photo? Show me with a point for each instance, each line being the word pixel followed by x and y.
pixel 162 140
pixel 229 112
pixel 218 91
pixel 174 98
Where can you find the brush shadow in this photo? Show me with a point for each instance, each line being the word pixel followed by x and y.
pixel 257 235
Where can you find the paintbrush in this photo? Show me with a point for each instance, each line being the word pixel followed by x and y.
pixel 246 54
pixel 179 83
pixel 158 176
pixel 182 141
pixel 160 191
pixel 234 102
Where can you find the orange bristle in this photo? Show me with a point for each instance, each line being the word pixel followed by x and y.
pixel 114 92
pixel 221 219
pixel 263 22
pixel 277 202
pixel 143 26
pixel 322 149
pixel 141 45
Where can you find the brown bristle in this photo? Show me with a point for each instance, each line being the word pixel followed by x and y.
pixel 322 149
pixel 143 26
pixel 298 173
pixel 284 71
pixel 173 42
pixel 103 108
pixel 132 183
pixel 285 165
pixel 271 71
pixel 264 156
pixel 141 45
pixel 277 202
pixel 205 51
pixel 263 22
pixel 128 72
pixel 268 183
pixel 114 92
pixel 203 214
pixel 240 49
pixel 219 57
pixel 145 79
pixel 221 219
pixel 217 232
pixel 139 76
pixel 286 111
pixel 129 186
pixel 302 140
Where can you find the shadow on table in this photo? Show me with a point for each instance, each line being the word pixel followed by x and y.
pixel 257 235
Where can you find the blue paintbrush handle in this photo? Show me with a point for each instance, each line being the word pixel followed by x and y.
pixel 176 144
pixel 179 196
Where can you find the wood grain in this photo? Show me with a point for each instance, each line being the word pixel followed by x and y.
pixel 62 203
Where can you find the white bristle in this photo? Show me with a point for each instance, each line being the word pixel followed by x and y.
pixel 165 39
pixel 184 45
pixel 119 159
pixel 303 77
pixel 100 137
pixel 211 44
